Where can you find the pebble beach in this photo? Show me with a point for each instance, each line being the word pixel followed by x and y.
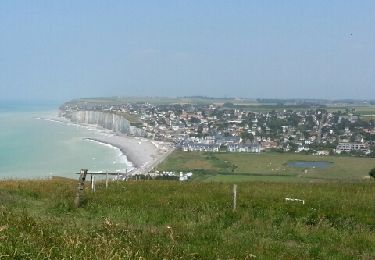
pixel 143 153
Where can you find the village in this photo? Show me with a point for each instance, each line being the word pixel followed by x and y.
pixel 227 127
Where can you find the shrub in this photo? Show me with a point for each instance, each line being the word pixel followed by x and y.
pixel 372 173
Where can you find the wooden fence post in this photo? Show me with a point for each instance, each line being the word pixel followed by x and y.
pixel 92 183
pixel 106 180
pixel 81 183
pixel 234 197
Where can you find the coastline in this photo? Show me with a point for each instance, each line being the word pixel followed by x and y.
pixel 144 154
pixel 39 144
pixel 121 154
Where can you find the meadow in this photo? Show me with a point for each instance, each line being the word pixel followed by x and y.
pixel 193 220
pixel 235 167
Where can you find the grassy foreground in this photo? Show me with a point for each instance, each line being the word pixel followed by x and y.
pixel 155 220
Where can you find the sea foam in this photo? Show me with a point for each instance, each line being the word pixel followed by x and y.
pixel 122 158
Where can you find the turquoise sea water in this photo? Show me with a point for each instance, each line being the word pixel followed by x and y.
pixel 33 146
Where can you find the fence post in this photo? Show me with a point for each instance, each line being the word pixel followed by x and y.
pixel 81 183
pixel 106 180
pixel 234 197
pixel 92 183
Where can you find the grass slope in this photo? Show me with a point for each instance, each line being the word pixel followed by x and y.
pixel 170 220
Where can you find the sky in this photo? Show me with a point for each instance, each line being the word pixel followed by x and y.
pixel 60 50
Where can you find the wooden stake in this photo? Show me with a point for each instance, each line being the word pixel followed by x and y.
pixel 106 180
pixel 93 183
pixel 234 196
pixel 81 183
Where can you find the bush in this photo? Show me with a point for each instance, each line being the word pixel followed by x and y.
pixel 372 173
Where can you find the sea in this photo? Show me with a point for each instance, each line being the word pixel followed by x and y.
pixel 36 144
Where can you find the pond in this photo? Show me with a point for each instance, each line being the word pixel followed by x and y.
pixel 310 164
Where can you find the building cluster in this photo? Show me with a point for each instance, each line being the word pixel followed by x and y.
pixel 165 175
pixel 227 127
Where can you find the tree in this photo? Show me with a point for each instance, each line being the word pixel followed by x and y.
pixel 200 129
pixel 293 147
pixel 195 120
pixel 234 167
pixel 372 173
pixel 228 104
pixel 245 135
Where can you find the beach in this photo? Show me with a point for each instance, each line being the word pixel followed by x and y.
pixel 144 154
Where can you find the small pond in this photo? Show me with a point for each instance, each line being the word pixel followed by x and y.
pixel 307 164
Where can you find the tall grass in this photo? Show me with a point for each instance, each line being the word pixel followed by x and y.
pixel 156 219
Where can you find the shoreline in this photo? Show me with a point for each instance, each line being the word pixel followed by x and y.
pixel 144 154
pixel 121 153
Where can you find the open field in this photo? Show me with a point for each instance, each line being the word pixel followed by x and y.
pixel 366 113
pixel 266 167
pixel 170 100
pixel 171 220
pixel 246 104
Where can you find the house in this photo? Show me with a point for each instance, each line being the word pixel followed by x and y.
pixel 199 147
pixel 348 147
pixel 302 148
pixel 323 152
pixel 226 140
pixel 247 148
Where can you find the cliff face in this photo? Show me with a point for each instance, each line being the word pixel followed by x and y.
pixel 107 120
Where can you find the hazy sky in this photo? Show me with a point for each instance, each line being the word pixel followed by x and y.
pixel 275 49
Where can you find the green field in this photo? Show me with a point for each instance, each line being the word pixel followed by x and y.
pixel 194 220
pixel 236 167
pixel 245 104
pixel 361 110
pixel 168 100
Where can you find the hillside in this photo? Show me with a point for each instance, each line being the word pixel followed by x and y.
pixel 155 220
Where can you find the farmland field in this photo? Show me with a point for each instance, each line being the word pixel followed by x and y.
pixel 267 167
pixel 362 110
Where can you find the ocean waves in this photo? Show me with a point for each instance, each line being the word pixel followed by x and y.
pixel 121 156
pixel 93 130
